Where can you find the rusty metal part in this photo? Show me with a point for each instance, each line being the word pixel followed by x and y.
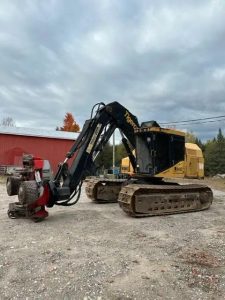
pixel 143 200
pixel 101 190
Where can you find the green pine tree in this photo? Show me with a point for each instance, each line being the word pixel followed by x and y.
pixel 215 155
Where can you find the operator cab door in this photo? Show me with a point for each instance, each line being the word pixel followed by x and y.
pixel 158 151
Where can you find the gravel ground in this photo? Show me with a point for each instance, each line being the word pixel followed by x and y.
pixel 92 251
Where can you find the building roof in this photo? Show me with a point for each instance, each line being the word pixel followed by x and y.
pixel 36 132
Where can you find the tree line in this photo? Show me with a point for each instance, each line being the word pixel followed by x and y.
pixel 213 150
pixel 214 153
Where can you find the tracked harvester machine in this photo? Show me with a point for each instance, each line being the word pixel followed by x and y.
pixel 144 194
pixel 158 151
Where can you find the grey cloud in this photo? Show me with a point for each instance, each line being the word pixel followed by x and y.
pixel 164 61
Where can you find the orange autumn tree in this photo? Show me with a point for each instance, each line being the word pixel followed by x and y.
pixel 69 124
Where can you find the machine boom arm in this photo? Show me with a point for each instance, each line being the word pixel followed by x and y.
pixel 94 135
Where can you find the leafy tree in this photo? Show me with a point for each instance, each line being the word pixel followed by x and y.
pixel 8 121
pixel 220 136
pixel 104 159
pixel 190 137
pixel 69 124
pixel 120 152
pixel 200 144
pixel 215 155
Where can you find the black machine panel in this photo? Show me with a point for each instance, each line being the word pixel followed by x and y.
pixel 158 151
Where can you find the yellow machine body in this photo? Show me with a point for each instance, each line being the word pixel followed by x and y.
pixel 191 167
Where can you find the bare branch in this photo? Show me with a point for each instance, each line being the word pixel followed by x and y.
pixel 8 121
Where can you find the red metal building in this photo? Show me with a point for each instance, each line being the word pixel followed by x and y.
pixel 51 145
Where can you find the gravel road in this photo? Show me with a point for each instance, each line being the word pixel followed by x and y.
pixel 95 252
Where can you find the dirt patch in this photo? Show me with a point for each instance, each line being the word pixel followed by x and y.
pixel 91 251
pixel 201 258
pixel 203 270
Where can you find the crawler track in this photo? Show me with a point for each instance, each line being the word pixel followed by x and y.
pixel 145 200
pixel 142 200
pixel 103 190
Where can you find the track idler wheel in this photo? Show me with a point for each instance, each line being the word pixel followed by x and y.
pixel 28 192
pixel 12 185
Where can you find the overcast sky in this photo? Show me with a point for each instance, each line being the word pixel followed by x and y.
pixel 163 60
